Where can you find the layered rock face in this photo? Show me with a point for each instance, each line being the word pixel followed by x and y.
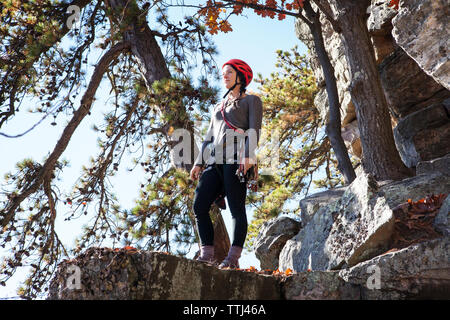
pixel 372 240
pixel 411 48
pixel 107 274
pixel 358 226
pixel 350 247
pixel 424 134
pixel 421 29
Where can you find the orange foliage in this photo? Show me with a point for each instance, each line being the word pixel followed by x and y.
pixel 264 8
pixel 414 221
pixel 211 11
pixel 277 272
pixel 286 273
pixel 126 248
pixel 394 3
pixel 251 269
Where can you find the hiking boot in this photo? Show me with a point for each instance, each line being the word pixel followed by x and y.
pixel 207 260
pixel 206 255
pixel 232 260
pixel 227 264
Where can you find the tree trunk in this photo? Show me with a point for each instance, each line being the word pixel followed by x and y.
pixel 152 66
pixel 221 239
pixel 380 155
pixel 222 242
pixel 333 126
pixel 144 46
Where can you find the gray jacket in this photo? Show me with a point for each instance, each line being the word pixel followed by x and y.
pixel 224 145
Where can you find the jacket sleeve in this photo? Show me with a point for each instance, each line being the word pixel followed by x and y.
pixel 255 114
pixel 199 161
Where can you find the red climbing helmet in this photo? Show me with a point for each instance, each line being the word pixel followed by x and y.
pixel 242 67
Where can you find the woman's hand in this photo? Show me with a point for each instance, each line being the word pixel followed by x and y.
pixel 195 172
pixel 247 164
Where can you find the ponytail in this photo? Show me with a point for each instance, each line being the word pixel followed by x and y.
pixel 243 88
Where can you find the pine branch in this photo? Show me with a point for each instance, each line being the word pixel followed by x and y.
pixel 19 70
pixel 86 102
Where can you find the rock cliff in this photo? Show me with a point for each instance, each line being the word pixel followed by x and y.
pixel 347 231
pixel 359 225
pixel 129 274
pixel 370 240
pixel 411 48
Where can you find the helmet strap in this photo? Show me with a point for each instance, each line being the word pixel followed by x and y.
pixel 234 86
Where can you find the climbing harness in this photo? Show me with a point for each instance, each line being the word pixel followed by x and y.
pixel 251 176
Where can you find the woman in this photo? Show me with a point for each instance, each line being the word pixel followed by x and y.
pixel 238 112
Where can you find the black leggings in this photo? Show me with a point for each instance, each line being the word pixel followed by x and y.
pixel 209 187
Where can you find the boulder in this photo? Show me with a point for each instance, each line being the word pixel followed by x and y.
pixel 421 29
pixel 436 165
pixel 319 285
pixel 406 86
pixel 311 204
pixel 272 238
pixel 419 271
pixel 362 229
pixel 424 134
pixel 306 249
pixel 357 226
pixel 107 274
pixel 441 221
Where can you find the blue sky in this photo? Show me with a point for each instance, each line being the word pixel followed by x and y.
pixel 254 40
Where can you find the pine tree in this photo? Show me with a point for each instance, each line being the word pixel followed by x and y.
pixel 50 57
pixel 306 159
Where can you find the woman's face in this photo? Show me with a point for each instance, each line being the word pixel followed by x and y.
pixel 229 76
